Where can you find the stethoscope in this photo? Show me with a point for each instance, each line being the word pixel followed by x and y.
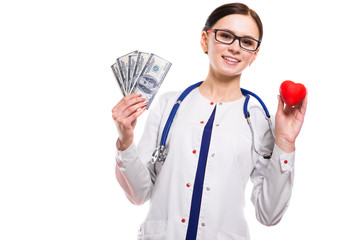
pixel 159 153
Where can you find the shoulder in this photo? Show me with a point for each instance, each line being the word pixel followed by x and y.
pixel 261 125
pixel 256 110
pixel 168 98
pixel 164 101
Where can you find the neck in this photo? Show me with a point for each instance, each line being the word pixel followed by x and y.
pixel 221 89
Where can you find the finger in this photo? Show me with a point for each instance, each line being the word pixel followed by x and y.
pixel 135 100
pixel 136 114
pixel 304 104
pixel 128 121
pixel 128 101
pixel 132 109
pixel 133 104
pixel 122 114
pixel 125 99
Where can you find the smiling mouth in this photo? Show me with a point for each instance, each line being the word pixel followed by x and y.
pixel 231 59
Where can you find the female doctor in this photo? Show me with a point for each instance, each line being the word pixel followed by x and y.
pixel 198 192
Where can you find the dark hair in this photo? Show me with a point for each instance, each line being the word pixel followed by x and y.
pixel 233 8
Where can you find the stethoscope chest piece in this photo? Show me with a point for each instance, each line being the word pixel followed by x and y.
pixel 158 155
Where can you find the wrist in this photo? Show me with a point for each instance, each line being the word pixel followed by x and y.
pixel 121 146
pixel 285 145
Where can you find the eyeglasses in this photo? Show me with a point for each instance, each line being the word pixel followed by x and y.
pixel 226 37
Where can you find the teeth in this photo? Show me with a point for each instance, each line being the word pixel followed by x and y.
pixel 231 59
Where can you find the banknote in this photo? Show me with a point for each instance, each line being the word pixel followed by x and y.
pixel 151 77
pixel 140 72
pixel 141 61
pixel 116 72
pixel 131 69
pixel 123 65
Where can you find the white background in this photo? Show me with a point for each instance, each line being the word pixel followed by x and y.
pixel 57 136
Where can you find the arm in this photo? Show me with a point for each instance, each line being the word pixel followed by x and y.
pixel 273 178
pixel 273 181
pixel 133 170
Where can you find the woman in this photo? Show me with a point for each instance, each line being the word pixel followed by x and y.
pixel 198 193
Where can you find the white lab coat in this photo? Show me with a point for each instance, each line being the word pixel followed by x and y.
pixel 231 161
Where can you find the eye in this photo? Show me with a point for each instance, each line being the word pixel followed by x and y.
pixel 225 36
pixel 247 42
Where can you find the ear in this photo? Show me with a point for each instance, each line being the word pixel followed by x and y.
pixel 254 56
pixel 204 42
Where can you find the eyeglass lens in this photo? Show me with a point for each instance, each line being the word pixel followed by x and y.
pixel 228 38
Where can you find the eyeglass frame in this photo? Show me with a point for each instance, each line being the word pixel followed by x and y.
pixel 235 38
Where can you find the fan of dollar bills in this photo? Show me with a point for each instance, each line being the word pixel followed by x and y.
pixel 140 72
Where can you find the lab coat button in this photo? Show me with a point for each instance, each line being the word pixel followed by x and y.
pixel 194 151
pixel 213 155
pixel 208 188
pixel 202 122
pixel 183 220
pixel 188 184
pixel 285 161
pixel 212 103
pixel 217 124
pixel 203 224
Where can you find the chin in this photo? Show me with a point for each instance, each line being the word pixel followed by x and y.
pixel 232 70
pixel 227 72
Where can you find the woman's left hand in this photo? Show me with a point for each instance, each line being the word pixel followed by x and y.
pixel 288 123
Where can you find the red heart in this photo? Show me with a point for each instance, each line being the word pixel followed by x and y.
pixel 292 93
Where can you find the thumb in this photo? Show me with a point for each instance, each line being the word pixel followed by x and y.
pixel 280 104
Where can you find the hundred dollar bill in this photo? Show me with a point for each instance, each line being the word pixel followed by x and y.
pixel 118 78
pixel 141 61
pixel 123 63
pixel 131 67
pixel 151 77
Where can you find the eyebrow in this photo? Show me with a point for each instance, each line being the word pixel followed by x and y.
pixel 235 34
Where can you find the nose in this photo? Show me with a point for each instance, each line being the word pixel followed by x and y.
pixel 235 46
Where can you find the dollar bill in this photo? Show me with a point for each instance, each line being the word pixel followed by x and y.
pixel 131 68
pixel 123 64
pixel 151 77
pixel 140 72
pixel 141 61
pixel 118 78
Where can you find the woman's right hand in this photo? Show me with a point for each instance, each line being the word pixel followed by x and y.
pixel 125 114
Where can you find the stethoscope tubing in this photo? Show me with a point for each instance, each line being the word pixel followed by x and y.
pixel 159 154
pixel 174 110
pixel 247 93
